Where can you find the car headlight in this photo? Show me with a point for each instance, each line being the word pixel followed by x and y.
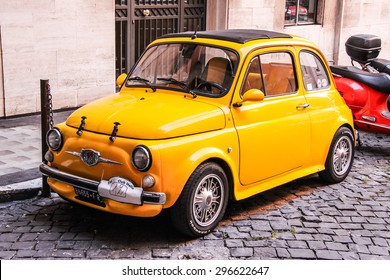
pixel 141 158
pixel 54 139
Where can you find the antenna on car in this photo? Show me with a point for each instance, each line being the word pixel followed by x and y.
pixel 193 37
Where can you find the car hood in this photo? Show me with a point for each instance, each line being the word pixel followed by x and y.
pixel 148 115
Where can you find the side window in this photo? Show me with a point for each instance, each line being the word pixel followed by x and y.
pixel 253 79
pixel 278 73
pixel 313 71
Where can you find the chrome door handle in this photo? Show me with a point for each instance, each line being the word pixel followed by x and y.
pixel 303 106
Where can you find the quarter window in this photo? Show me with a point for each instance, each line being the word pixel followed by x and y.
pixel 313 72
pixel 300 12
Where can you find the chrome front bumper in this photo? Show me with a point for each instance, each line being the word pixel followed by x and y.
pixel 116 188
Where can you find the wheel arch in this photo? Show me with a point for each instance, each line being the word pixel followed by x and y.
pixel 336 128
pixel 329 174
pixel 350 127
pixel 187 212
pixel 178 177
pixel 227 169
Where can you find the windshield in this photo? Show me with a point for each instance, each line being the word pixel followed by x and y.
pixel 194 68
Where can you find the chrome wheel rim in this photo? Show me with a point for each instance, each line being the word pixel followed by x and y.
pixel 342 155
pixel 208 200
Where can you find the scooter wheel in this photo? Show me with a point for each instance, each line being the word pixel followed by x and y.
pixel 340 156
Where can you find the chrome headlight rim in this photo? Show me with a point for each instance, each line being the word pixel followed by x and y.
pixel 57 137
pixel 145 166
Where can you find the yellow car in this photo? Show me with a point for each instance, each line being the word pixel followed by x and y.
pixel 201 119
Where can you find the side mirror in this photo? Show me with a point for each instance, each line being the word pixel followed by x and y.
pixel 253 95
pixel 250 95
pixel 121 79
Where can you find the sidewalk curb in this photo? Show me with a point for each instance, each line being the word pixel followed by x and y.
pixel 19 177
pixel 21 190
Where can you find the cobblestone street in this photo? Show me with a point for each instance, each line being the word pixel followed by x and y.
pixel 304 219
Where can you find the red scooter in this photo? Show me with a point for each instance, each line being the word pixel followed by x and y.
pixel 366 89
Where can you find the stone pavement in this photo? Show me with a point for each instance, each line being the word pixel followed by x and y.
pixel 20 155
pixel 304 219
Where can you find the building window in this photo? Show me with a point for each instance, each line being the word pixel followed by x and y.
pixel 300 12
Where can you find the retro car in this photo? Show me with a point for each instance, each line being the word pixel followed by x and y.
pixel 204 118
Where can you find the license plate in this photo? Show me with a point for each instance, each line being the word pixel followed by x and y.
pixel 121 190
pixel 89 196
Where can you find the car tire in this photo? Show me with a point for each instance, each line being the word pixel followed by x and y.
pixel 202 202
pixel 340 157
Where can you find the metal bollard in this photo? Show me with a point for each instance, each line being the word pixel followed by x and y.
pixel 45 126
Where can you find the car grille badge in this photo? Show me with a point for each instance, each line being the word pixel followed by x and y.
pixel 91 157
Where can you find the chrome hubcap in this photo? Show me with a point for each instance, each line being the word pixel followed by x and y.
pixel 342 155
pixel 208 200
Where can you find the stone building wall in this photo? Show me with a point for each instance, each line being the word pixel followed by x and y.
pixel 365 16
pixel 69 42
pixel 72 42
pixel 338 20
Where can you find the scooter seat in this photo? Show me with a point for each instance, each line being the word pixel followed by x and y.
pixel 377 81
pixel 381 65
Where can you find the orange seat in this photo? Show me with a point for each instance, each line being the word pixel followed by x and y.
pixel 218 70
pixel 279 79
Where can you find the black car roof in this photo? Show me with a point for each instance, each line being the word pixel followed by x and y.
pixel 233 35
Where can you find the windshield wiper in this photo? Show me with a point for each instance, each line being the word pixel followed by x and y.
pixel 145 81
pixel 181 84
pixel 174 81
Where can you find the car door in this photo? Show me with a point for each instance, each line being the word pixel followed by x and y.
pixel 321 97
pixel 274 134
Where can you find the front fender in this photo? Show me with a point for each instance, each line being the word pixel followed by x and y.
pixel 180 158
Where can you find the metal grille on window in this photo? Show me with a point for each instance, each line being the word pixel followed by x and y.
pixel 139 22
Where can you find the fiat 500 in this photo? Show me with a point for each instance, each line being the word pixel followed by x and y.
pixel 204 118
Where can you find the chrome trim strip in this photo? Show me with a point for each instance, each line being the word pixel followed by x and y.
pixel 68 178
pixel 373 124
pixel 100 159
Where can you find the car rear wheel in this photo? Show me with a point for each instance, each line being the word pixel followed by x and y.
pixel 202 202
pixel 340 156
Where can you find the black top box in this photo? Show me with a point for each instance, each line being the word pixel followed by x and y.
pixel 363 47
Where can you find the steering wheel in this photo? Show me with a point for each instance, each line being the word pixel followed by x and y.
pixel 210 85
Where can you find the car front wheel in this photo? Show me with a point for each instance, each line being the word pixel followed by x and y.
pixel 202 202
pixel 340 157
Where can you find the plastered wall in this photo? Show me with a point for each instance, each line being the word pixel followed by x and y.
pixel 69 42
